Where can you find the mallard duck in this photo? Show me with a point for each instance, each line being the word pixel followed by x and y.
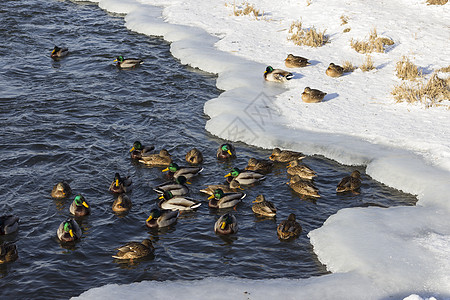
pixel 79 207
pixel 177 188
pixel 293 61
pixel 263 207
pixel 8 224
pixel 260 166
pixel 172 202
pixel 175 170
pixel 61 190
pixel 226 188
pixel 120 184
pixel 285 155
pixel 277 75
pixel 162 158
pixel 310 95
pixel 69 231
pixel 161 218
pixel 294 168
pixel 59 52
pixel 135 250
pixel 245 177
pixel 138 150
pixel 122 204
pixel 224 200
pixel 289 228
pixel 334 70
pixel 303 187
pixel 226 224
pixel 8 252
pixel 194 156
pixel 128 63
pixel 226 151
pixel 349 183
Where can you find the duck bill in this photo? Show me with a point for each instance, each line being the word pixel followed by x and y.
pixel 165 170
pixel 115 60
pixel 53 52
pixel 161 197
pixel 188 182
pixel 228 175
pixel 85 204
pixel 117 182
pixel 229 152
pixel 132 149
pixel 222 226
pixel 149 218
pixel 71 232
pixel 210 197
pixel 289 165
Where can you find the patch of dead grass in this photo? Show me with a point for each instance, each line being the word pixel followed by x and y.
pixel 344 20
pixel 307 37
pixel 406 70
pixel 246 9
pixel 374 44
pixel 436 2
pixel 367 64
pixel 348 66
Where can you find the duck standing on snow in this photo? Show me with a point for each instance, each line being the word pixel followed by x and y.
pixel 293 61
pixel 285 156
pixel 135 250
pixel 310 95
pixel 61 190
pixel 8 252
pixel 194 156
pixel 79 207
pixel 277 75
pixel 8 224
pixel 138 150
pixel 128 63
pixel 289 228
pixel 226 224
pixel 69 231
pixel 226 151
pixel 59 52
pixel 120 184
pixel 334 70
pixel 350 183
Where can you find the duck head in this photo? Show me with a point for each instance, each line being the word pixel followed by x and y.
pixel 136 146
pixel 173 167
pixel 80 201
pixel 119 59
pixel 154 214
pixel 218 194
pixel 234 172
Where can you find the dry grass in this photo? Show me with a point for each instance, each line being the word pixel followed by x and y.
pixel 436 2
pixel 308 37
pixel 348 66
pixel 444 69
pixel 431 93
pixel 374 44
pixel 344 20
pixel 406 70
pixel 308 2
pixel 367 64
pixel 246 9
pixel 346 29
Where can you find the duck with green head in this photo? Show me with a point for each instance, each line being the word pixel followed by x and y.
pixel 245 177
pixel 277 75
pixel 226 151
pixel 79 207
pixel 8 224
pixel 120 184
pixel 58 53
pixel 61 190
pixel 122 204
pixel 225 200
pixel 177 188
pixel 172 202
pixel 226 224
pixel 69 231
pixel 135 250
pixel 161 218
pixel 8 252
pixel 289 229
pixel 160 159
pixel 138 150
pixel 128 63
pixel 188 172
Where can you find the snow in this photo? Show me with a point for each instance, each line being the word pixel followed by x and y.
pixel 373 253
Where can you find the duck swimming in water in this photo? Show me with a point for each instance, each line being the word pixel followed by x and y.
pixel 8 224
pixel 122 204
pixel 245 177
pixel 161 218
pixel 120 184
pixel 79 207
pixel 194 156
pixel 138 150
pixel 59 53
pixel 135 250
pixel 61 190
pixel 260 166
pixel 350 183
pixel 128 63
pixel 226 224
pixel 8 252
pixel 175 170
pixel 285 156
pixel 226 151
pixel 69 231
pixel 263 207
pixel 160 159
pixel 289 229
pixel 169 201
pixel 224 200
pixel 177 188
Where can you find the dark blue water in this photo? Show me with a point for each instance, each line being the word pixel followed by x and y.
pixel 76 119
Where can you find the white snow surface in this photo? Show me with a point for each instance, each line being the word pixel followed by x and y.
pixel 373 253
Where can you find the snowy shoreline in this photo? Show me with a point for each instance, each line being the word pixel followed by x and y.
pixel 373 253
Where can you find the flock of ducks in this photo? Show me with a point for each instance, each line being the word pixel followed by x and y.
pixel 309 95
pixel 173 200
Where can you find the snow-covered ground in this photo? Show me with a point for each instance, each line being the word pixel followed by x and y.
pixel 374 253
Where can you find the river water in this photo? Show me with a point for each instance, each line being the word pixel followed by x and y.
pixel 75 120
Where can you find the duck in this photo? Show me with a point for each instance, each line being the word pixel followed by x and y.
pixel 226 224
pixel 349 183
pixel 289 229
pixel 138 150
pixel 293 61
pixel 263 207
pixel 122 204
pixel 120 184
pixel 161 218
pixel 277 75
pixel 310 95
pixel 8 224
pixel 135 250
pixel 162 158
pixel 259 165
pixel 172 202
pixel 245 177
pixel 303 187
pixel 334 70
pixel 295 168
pixel 226 151
pixel 177 188
pixel 69 231
pixel 8 252
pixel 61 190
pixel 128 63
pixel 188 172
pixel 285 156
pixel 79 207
pixel 59 52
pixel 226 188
pixel 225 200
pixel 194 156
